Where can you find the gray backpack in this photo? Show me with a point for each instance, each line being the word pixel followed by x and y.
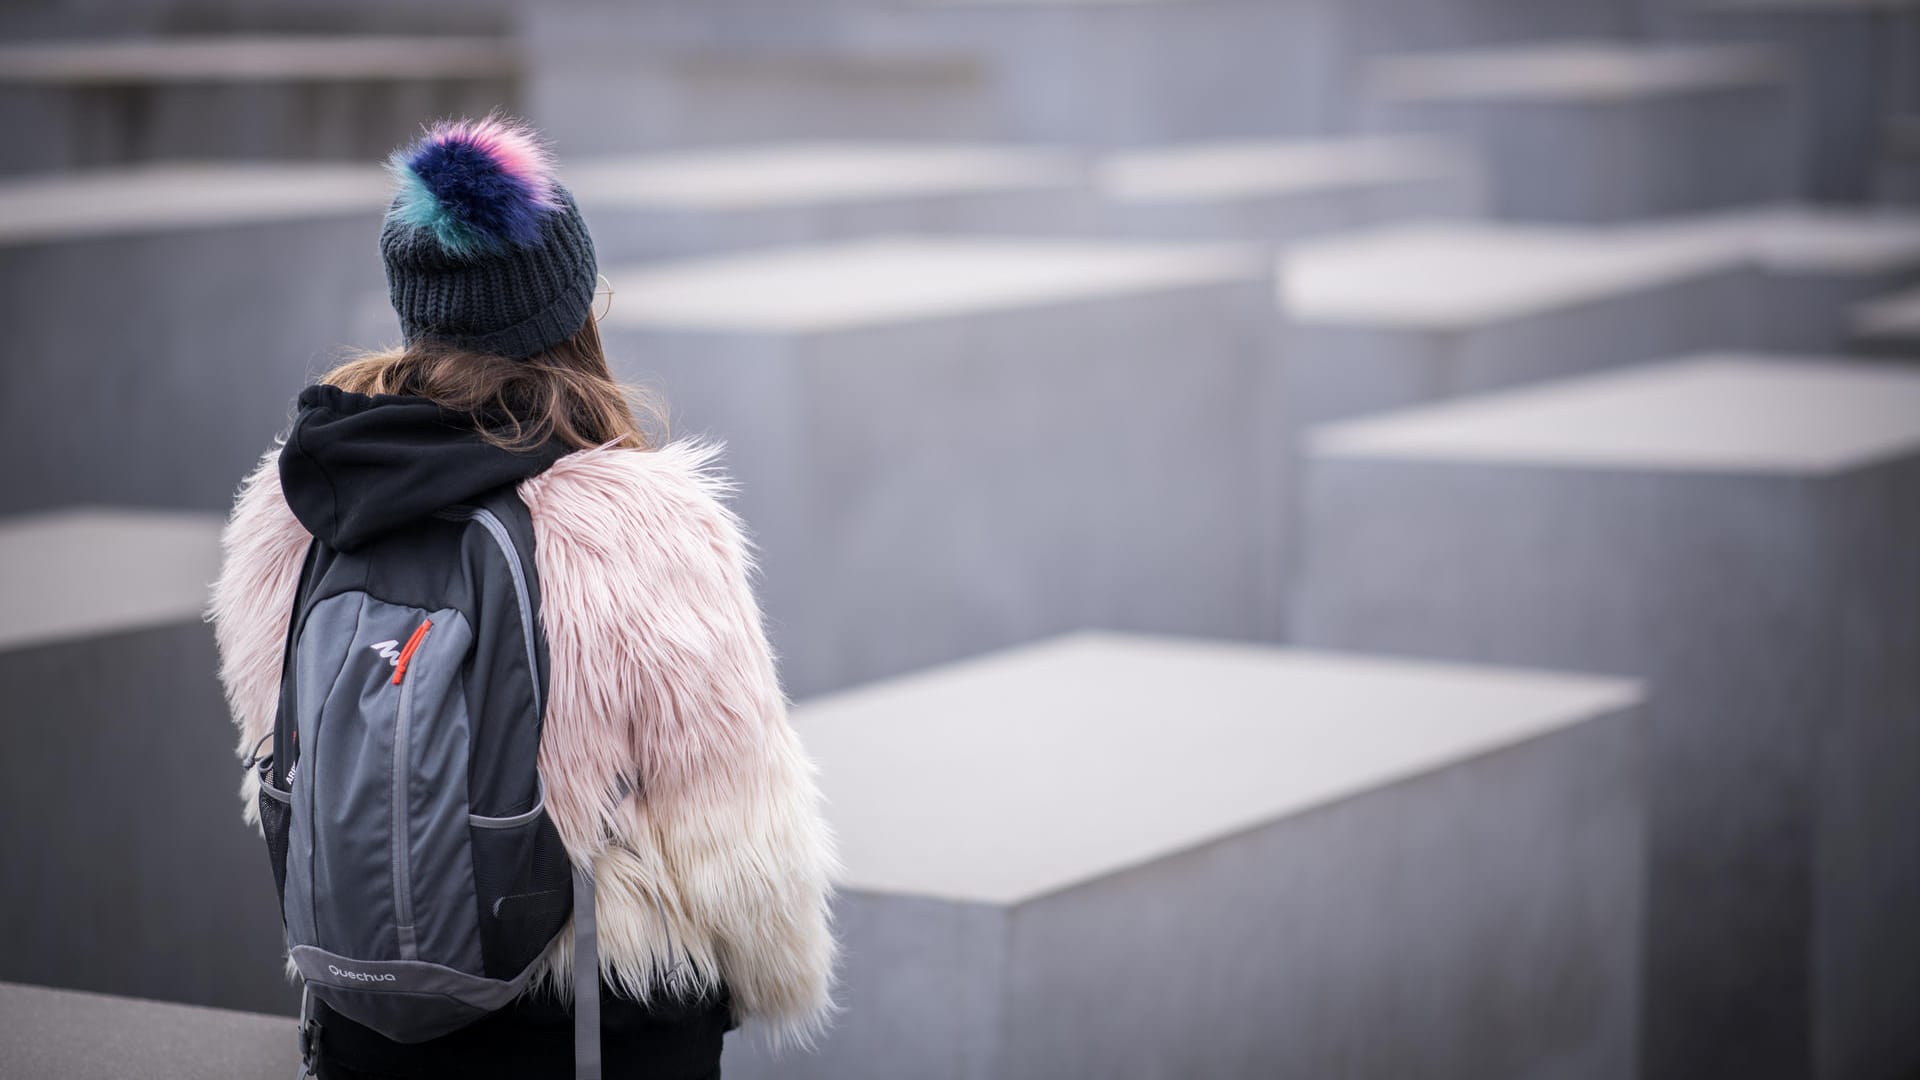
pixel 419 875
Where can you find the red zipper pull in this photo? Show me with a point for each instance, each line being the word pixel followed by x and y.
pixel 406 651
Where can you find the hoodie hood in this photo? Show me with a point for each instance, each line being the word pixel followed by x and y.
pixel 358 466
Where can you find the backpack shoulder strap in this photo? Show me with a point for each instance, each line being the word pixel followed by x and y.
pixel 586 979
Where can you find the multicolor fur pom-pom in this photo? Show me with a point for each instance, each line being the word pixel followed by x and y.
pixel 477 185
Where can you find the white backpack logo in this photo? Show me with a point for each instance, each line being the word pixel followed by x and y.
pixel 388 650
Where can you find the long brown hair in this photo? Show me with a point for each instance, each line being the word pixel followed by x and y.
pixel 566 392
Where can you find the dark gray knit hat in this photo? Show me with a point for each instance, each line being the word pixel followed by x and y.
pixel 485 250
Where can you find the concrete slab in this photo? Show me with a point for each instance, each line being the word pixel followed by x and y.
pixel 1815 262
pixel 618 78
pixel 75 1036
pixel 1280 190
pixel 1065 859
pixel 88 572
pixel 1146 71
pixel 1887 324
pixel 82 103
pixel 179 309
pixel 119 747
pixel 1848 55
pixel 740 70
pixel 1410 313
pixel 1598 130
pixel 948 445
pixel 185 195
pixel 697 203
pixel 1738 531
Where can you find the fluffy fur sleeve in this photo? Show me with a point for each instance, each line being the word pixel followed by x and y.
pixel 262 548
pixel 661 670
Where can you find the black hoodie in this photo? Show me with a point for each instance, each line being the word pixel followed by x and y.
pixel 357 466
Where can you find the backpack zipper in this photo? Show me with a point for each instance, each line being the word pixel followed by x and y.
pixel 402 805
pixel 406 651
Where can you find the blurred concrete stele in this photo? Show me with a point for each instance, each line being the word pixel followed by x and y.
pixel 86 103
pixel 1739 532
pixel 1280 190
pixel 650 206
pixel 177 308
pixel 1013 384
pixel 1605 130
pixel 119 815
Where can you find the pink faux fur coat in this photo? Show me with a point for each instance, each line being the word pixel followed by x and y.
pixel 719 868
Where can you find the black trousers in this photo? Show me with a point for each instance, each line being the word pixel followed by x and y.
pixel 533 1040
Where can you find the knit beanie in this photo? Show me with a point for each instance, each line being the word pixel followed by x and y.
pixel 484 249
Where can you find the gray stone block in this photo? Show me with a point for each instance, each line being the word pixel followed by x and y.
pixel 1408 314
pixel 1740 533
pixel 74 1036
pixel 1848 59
pixel 163 318
pixel 949 445
pixel 1281 190
pixel 1143 857
pixel 1417 313
pixel 1147 71
pixel 119 822
pixel 604 77
pixel 84 103
pixel 699 203
pixel 1605 131
pixel 636 76
pixel 1814 264
pixel 1886 325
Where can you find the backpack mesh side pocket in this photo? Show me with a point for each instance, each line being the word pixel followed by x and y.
pixel 524 886
pixel 276 817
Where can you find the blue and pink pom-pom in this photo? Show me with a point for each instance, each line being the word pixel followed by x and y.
pixel 477 185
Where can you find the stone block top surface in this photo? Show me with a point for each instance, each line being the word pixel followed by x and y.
pixel 821 173
pixel 1572 72
pixel 1459 275
pixel 1894 316
pixel 87 572
pixel 1719 414
pixel 254 58
pixel 1814 240
pixel 1011 775
pixel 154 198
pixel 70 1035
pixel 873 282
pixel 1253 169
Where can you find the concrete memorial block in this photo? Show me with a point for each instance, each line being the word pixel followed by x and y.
pixel 1589 131
pixel 947 445
pixel 1145 71
pixel 1849 56
pixel 606 78
pixel 1128 856
pixel 1410 313
pixel 703 202
pixel 75 1036
pixel 1072 71
pixel 1742 533
pixel 1887 324
pixel 80 103
pixel 119 821
pixel 1280 190
pixel 1814 263
pixel 1896 174
pixel 163 317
